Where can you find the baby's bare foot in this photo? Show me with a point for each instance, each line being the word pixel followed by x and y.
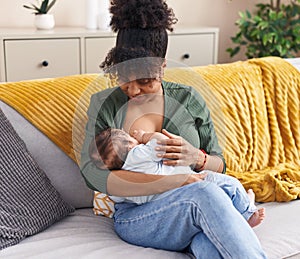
pixel 257 217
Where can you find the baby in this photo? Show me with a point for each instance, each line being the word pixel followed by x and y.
pixel 115 149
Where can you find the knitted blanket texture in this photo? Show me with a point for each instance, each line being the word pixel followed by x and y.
pixel 255 106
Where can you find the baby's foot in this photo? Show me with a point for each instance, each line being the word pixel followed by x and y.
pixel 257 217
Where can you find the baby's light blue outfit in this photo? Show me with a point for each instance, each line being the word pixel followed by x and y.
pixel 143 158
pixel 178 214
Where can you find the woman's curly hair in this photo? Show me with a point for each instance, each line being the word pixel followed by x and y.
pixel 142 30
pixel 143 14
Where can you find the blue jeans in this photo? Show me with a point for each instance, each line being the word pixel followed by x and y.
pixel 200 217
pixel 235 190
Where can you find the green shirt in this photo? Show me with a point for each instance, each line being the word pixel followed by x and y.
pixel 185 114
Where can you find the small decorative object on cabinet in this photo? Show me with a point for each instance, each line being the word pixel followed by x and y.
pixel 103 15
pixel 91 14
pixel 43 20
pixel 31 54
pixel 97 14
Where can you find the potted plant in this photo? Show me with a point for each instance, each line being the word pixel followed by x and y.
pixel 43 20
pixel 273 30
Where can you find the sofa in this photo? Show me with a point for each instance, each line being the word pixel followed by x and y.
pixel 48 117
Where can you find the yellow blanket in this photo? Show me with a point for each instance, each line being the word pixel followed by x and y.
pixel 254 105
pixel 261 104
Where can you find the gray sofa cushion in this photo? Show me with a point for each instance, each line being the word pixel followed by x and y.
pixel 60 169
pixel 83 235
pixel 29 202
pixel 280 231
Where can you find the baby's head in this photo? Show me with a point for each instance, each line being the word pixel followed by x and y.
pixel 110 148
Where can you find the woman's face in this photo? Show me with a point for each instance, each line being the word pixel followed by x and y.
pixel 139 90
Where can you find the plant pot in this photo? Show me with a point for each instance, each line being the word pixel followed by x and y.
pixel 44 21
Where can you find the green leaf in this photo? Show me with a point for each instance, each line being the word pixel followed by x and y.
pixel 32 7
pixel 28 7
pixel 51 5
pixel 265 39
pixel 273 15
pixel 254 33
pixel 279 48
pixel 263 24
pixel 257 19
pixel 280 15
pixel 242 15
pixel 275 37
pixel 236 40
pixel 234 51
pixel 248 14
pixel 44 6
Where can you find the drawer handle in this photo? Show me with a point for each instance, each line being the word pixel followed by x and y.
pixel 186 56
pixel 45 63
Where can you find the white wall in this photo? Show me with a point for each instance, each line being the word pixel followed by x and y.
pixel 217 13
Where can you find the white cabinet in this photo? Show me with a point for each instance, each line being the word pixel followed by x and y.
pixel 28 59
pixel 29 54
pixel 96 50
pixel 191 50
pixel 193 46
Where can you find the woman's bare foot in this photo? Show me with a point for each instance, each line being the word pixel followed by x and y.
pixel 259 215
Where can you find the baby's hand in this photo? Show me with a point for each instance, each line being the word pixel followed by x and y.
pixel 138 135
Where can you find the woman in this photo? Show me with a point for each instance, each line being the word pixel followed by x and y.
pixel 193 215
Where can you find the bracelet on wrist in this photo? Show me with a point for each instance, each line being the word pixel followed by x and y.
pixel 199 168
pixel 204 161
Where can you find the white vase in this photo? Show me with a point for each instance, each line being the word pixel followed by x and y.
pixel 44 21
pixel 103 20
pixel 103 15
pixel 91 14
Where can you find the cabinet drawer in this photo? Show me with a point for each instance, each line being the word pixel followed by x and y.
pixel 96 50
pixel 41 58
pixel 191 50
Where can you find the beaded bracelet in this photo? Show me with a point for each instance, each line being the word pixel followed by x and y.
pixel 205 159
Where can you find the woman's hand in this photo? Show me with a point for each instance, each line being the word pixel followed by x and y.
pixel 178 151
pixel 192 178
